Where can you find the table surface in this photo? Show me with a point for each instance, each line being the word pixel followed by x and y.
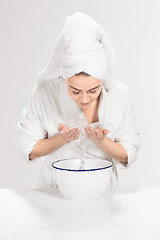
pixel 44 214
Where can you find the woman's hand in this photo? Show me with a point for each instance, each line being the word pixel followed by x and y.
pixel 96 135
pixel 68 134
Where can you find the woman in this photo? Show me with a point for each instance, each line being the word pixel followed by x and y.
pixel 77 93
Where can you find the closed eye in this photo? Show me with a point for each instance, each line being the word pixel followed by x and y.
pixel 92 91
pixel 89 91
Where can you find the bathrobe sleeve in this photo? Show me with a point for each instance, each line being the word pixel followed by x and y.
pixel 29 129
pixel 128 134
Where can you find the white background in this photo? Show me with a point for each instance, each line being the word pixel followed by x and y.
pixel 28 29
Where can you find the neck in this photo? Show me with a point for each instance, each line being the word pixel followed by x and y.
pixel 94 105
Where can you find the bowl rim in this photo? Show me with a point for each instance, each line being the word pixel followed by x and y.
pixel 81 170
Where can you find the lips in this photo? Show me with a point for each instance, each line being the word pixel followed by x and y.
pixel 84 104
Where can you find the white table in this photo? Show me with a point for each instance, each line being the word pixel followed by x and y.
pixel 43 215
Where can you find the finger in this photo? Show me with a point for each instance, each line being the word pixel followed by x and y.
pixel 78 131
pixel 60 126
pixel 91 131
pixel 105 131
pixel 76 136
pixel 94 133
pixel 64 132
pixel 71 133
pixel 86 131
pixel 99 132
pixel 65 128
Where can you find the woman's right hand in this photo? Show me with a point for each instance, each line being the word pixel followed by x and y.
pixel 68 134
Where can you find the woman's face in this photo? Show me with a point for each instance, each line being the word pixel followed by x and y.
pixel 84 90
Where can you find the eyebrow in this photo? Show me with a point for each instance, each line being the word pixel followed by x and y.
pixel 81 90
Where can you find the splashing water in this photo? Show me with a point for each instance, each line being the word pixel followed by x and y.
pixel 83 152
pixel 81 126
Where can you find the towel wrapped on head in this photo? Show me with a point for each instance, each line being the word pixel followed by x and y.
pixel 82 46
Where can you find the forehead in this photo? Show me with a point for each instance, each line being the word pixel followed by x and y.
pixel 83 82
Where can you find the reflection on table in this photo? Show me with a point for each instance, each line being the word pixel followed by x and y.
pixel 45 214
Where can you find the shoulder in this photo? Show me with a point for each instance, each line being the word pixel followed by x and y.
pixel 48 84
pixel 120 97
pixel 120 88
pixel 48 88
pixel 120 92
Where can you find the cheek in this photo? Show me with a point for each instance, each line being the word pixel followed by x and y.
pixel 99 93
pixel 96 95
pixel 73 96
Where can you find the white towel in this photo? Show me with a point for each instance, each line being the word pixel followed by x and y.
pixel 83 45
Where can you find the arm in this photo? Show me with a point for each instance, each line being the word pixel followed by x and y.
pixel 30 130
pixel 46 146
pixel 127 141
pixel 113 149
pixel 33 141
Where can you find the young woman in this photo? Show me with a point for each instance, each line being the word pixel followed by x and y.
pixel 78 91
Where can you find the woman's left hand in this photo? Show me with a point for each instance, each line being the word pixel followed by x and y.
pixel 96 134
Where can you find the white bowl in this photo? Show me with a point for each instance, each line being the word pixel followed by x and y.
pixel 91 183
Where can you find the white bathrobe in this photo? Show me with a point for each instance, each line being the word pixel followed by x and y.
pixel 50 104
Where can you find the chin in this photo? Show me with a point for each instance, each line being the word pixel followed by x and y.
pixel 83 107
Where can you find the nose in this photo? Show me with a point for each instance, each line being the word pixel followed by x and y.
pixel 85 98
